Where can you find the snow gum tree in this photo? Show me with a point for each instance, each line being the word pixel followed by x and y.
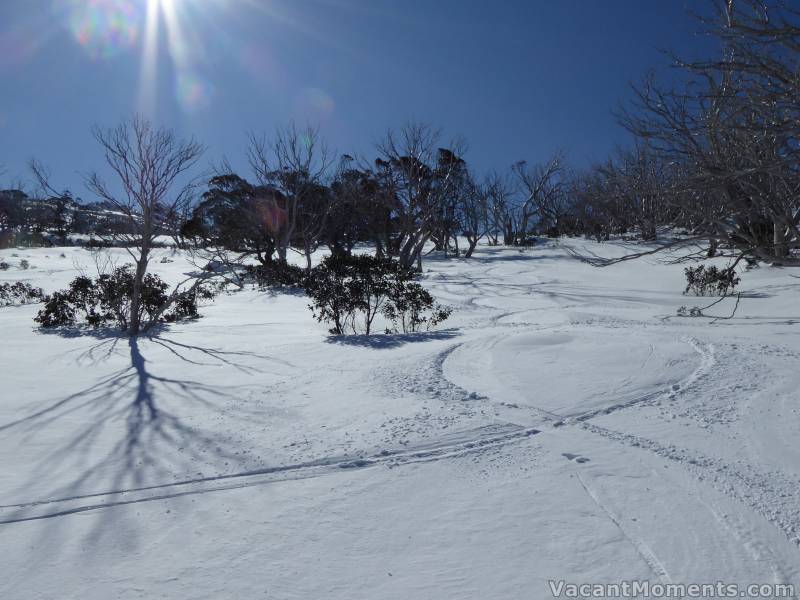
pixel 149 164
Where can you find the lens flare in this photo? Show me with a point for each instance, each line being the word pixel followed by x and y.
pixel 16 49
pixel 193 92
pixel 182 38
pixel 315 105
pixel 103 28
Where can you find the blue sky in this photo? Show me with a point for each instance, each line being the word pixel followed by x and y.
pixel 518 79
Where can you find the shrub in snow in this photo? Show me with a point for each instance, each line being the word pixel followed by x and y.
pixel 107 300
pixel 710 281
pixel 411 307
pixel 95 244
pixel 4 266
pixel 19 293
pixel 350 291
pixel 24 265
pixel 276 274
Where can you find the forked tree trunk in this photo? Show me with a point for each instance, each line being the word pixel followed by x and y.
pixel 136 295
pixel 779 239
pixel 473 242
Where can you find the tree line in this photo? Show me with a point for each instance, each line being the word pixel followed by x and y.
pixel 714 158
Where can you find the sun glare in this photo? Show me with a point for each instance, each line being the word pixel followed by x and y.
pixel 164 32
pixel 182 40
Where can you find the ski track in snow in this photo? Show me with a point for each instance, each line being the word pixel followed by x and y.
pixel 455 421
pixel 771 494
pixel 641 548
pixel 460 444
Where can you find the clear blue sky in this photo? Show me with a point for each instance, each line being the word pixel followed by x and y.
pixel 518 78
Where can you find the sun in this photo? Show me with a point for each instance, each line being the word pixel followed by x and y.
pixel 183 50
pixel 171 41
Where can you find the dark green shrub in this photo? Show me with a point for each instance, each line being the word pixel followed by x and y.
pixel 350 291
pixel 185 306
pixel 276 274
pixel 411 307
pixel 19 293
pixel 106 300
pixel 710 281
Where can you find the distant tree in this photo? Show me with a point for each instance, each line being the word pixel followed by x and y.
pixel 12 209
pixel 543 205
pixel 296 163
pixel 349 220
pixel 731 129
pixel 473 200
pixel 369 205
pixel 497 193
pixel 238 216
pixel 61 214
pixel 420 176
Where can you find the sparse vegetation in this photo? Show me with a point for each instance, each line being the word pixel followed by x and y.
pixel 19 293
pixel 276 274
pixel 107 300
pixel 411 307
pixel 349 292
pixel 710 281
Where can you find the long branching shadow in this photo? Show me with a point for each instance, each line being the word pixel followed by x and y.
pixel 134 427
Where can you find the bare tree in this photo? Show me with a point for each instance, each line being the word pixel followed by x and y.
pixel 498 211
pixel 296 163
pixel 472 203
pixel 543 188
pixel 149 164
pixel 421 176
pixel 59 201
pixel 732 131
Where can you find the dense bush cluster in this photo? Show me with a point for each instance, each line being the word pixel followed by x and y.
pixel 19 293
pixel 275 274
pixel 710 281
pixel 106 300
pixel 349 292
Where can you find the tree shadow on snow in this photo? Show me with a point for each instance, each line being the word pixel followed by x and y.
pixel 391 340
pixel 132 429
pixel 500 254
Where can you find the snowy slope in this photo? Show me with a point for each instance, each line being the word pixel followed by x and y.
pixel 564 425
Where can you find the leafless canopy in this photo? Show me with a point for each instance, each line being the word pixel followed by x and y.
pixel 149 164
pixel 296 163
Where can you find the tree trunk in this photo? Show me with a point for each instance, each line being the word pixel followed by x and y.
pixel 136 296
pixel 471 249
pixel 308 253
pixel 508 234
pixel 779 237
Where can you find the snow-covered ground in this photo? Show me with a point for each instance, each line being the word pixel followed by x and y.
pixel 564 424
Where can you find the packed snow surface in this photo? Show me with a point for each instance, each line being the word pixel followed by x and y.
pixel 563 424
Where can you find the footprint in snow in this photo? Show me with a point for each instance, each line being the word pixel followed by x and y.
pixel 576 457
